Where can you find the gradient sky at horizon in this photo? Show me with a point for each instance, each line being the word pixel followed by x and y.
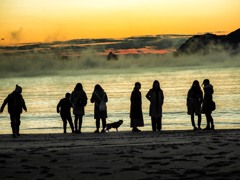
pixel 51 20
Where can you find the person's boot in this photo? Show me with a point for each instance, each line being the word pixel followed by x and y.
pixel 14 132
pixel 17 131
pixel 207 127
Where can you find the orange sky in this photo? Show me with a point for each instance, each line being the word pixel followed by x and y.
pixel 49 20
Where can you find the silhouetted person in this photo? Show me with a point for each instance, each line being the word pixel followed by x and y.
pixel 156 98
pixel 207 103
pixel 79 101
pixel 136 108
pixel 112 56
pixel 194 101
pixel 99 95
pixel 15 103
pixel 64 107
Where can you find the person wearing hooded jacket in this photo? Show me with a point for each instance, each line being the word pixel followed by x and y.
pixel 15 104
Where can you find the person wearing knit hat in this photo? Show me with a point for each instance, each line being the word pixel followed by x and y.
pixel 18 89
pixel 15 104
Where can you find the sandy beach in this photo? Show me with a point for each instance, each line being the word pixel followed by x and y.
pixel 122 155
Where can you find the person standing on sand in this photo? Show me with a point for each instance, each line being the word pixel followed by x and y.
pixel 156 98
pixel 64 107
pixel 136 115
pixel 79 101
pixel 194 101
pixel 208 105
pixel 98 97
pixel 15 103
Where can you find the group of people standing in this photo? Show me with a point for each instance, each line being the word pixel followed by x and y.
pixel 78 100
pixel 197 104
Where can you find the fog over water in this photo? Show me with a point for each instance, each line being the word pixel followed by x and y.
pixel 49 63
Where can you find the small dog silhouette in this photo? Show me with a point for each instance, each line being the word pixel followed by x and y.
pixel 115 125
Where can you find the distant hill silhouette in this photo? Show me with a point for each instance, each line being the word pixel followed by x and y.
pixel 204 44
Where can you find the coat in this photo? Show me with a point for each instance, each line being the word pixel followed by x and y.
pixel 156 99
pixel 136 114
pixel 64 107
pixel 96 98
pixel 194 101
pixel 15 103
pixel 79 101
pixel 208 99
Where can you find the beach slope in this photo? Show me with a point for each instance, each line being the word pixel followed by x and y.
pixel 122 155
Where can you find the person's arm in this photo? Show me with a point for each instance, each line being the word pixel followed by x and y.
pixel 92 98
pixel 162 98
pixel 148 96
pixel 106 97
pixel 188 97
pixel 24 105
pixel 4 104
pixel 58 106
pixel 201 96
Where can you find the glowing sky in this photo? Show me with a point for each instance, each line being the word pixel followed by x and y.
pixel 48 20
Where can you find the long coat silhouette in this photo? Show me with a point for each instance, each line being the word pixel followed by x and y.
pixel 136 109
pixel 79 101
pixel 156 102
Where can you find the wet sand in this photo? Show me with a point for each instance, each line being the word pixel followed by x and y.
pixel 122 155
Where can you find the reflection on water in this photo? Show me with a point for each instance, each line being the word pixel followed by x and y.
pixel 43 93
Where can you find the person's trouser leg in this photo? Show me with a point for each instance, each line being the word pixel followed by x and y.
pixel 192 120
pixel 103 123
pixel 76 122
pixel 159 123
pixel 14 124
pixel 97 124
pixel 153 123
pixel 64 125
pixel 208 122
pixel 199 120
pixel 71 123
pixel 80 122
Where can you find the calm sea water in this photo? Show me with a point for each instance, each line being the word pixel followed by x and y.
pixel 43 93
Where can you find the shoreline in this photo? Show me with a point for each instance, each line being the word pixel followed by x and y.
pixel 169 154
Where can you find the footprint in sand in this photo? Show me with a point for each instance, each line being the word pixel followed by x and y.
pixel 2 162
pixel 105 174
pixel 50 175
pixel 53 161
pixel 104 168
pixel 45 170
pixel 6 155
pixel 28 167
pixel 218 164
pixel 24 160
pixel 134 168
pixel 88 172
